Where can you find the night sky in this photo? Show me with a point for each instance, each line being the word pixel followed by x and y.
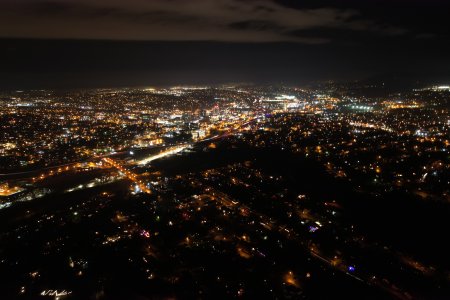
pixel 105 43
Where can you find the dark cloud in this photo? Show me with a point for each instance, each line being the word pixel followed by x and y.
pixel 220 20
pixel 420 16
pixel 259 25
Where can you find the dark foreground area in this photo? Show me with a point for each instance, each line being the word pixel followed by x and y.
pixel 225 221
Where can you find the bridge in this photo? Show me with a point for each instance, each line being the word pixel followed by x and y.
pixel 130 175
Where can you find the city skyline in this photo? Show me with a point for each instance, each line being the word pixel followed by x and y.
pixel 237 191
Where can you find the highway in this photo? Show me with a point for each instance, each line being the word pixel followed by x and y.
pixel 168 152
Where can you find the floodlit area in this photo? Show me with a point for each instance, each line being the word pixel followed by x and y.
pixel 168 152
